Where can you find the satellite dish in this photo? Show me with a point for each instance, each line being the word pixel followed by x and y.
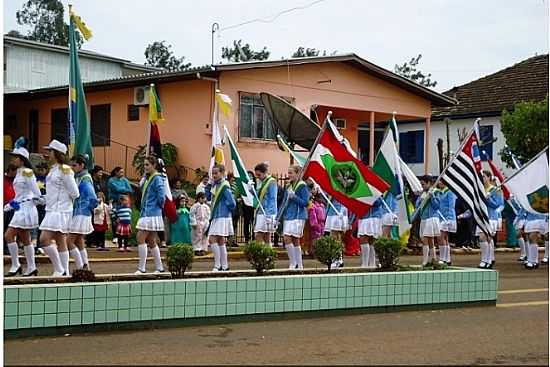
pixel 296 127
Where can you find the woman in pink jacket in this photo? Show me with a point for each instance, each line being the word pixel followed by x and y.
pixel 317 216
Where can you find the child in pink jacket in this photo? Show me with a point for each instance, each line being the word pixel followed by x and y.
pixel 317 216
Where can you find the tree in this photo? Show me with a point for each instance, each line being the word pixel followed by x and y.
pixel 310 52
pixel 16 34
pixel 409 70
pixel 46 18
pixel 525 130
pixel 158 54
pixel 240 53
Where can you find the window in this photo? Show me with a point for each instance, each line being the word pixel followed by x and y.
pixel 60 125
pixel 411 146
pixel 254 121
pixel 133 112
pixel 100 119
pixel 486 141
pixel 340 123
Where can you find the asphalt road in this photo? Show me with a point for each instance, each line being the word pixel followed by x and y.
pixel 515 332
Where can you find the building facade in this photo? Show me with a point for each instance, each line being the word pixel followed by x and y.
pixel 361 93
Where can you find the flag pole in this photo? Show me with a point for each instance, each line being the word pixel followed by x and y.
pixel 147 152
pixel 301 175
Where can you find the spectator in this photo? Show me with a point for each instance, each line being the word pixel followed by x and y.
pixel 98 177
pixel 199 219
pixel 177 189
pixel 41 170
pixel 180 231
pixel 316 220
pixel 238 209
pixel 123 215
pixel 202 185
pixel 248 215
pixel 117 185
pixel 9 194
pixel 100 223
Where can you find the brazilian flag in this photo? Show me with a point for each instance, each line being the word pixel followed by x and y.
pixel 80 139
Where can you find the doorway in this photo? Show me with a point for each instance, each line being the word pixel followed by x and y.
pixel 364 141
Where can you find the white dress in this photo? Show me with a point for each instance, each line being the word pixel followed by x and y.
pixel 61 190
pixel 26 188
pixel 199 217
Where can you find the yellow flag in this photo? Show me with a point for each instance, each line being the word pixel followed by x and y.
pixel 82 27
pixel 224 102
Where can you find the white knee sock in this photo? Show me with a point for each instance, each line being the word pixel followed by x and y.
pixel 521 243
pixel 77 258
pixel 484 247
pixel 53 254
pixel 364 255
pixel 142 251
pixel 425 255
pixel 448 253
pixel 29 255
pixel 491 251
pixel 546 249
pixel 291 259
pixel 158 261
pixel 64 258
pixel 84 256
pixel 216 250
pixel 432 253
pixel 372 257
pixel 298 256
pixel 527 250
pixel 533 253
pixel 14 253
pixel 223 257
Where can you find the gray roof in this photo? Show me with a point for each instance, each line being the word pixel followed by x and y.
pixel 351 59
pixel 9 40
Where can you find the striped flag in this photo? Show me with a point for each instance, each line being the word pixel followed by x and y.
pixel 463 177
pixel 80 137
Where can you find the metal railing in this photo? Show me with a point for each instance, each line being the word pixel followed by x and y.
pixel 115 154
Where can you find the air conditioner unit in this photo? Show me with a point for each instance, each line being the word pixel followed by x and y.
pixel 340 123
pixel 141 96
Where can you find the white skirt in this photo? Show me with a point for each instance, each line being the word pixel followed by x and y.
pixel 493 227
pixel 389 219
pixel 150 224
pixel 294 228
pixel 56 222
pixel 429 227
pixel 448 226
pixel 338 223
pixel 221 227
pixel 263 225
pixel 81 224
pixel 26 217
pixel 370 227
pixel 538 225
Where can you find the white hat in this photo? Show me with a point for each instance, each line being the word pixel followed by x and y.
pixel 57 145
pixel 21 151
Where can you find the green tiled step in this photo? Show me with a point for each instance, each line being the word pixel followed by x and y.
pixel 61 305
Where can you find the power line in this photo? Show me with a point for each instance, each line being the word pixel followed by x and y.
pixel 274 17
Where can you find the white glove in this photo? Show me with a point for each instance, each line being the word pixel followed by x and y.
pixel 290 193
pixel 39 201
pixel 8 208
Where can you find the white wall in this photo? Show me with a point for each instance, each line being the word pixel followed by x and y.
pixel 438 131
pixel 30 68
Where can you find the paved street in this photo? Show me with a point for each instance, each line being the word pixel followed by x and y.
pixel 514 332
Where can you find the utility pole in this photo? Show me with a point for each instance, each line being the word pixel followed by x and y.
pixel 215 28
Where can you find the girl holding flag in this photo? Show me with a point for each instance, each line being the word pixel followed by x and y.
pixel 369 229
pixel 294 216
pixel 266 212
pixel 494 200
pixel 337 223
pixel 536 228
pixel 25 217
pixel 389 218
pixel 150 217
pixel 429 220
pixel 447 201
pixel 221 223
pixel 81 222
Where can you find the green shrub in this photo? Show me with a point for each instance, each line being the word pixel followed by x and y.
pixel 388 252
pixel 260 256
pixel 327 250
pixel 82 275
pixel 179 258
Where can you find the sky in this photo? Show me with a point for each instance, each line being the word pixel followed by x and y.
pixel 460 41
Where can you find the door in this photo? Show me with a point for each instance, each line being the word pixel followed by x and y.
pixel 364 142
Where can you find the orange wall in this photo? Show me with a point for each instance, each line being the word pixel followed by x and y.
pixel 187 106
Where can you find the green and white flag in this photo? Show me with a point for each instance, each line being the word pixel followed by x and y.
pixel 529 185
pixel 298 158
pixel 242 180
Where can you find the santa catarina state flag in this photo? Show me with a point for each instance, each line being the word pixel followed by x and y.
pixel 342 175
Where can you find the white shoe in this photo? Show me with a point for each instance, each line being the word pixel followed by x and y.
pixel 159 271
pixel 215 269
pixel 56 274
pixel 139 272
pixel 441 262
